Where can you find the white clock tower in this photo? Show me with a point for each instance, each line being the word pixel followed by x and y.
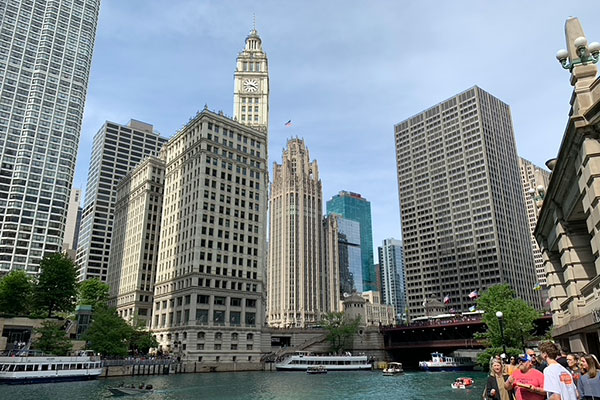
pixel 251 86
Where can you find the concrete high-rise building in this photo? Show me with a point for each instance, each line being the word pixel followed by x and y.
pixel 208 295
pixel 116 150
pixel 393 281
pixel 464 224
pixel 251 85
pixel 135 241
pixel 535 181
pixel 354 207
pixel 296 269
pixel 73 223
pixel 45 58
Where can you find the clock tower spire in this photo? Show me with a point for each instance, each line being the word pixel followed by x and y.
pixel 251 85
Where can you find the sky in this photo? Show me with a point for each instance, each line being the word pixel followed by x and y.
pixel 343 71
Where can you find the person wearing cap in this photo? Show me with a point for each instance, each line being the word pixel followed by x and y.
pixel 558 382
pixel 527 382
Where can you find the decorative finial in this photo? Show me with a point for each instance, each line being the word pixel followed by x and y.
pixel 253 21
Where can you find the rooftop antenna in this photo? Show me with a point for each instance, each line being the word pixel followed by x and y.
pixel 253 21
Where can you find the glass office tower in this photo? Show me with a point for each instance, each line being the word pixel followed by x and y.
pixel 354 207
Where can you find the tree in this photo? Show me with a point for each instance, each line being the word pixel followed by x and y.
pixel 53 339
pixel 15 293
pixel 141 341
pixel 518 317
pixel 109 334
pixel 56 289
pixel 340 329
pixel 93 292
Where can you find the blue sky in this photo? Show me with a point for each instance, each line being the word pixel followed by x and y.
pixel 343 71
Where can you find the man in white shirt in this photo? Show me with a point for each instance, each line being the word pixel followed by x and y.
pixel 558 382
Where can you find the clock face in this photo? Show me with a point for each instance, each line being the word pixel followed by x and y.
pixel 250 85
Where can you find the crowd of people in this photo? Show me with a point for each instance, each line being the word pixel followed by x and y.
pixel 550 374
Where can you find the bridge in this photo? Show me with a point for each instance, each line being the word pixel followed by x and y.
pixel 413 343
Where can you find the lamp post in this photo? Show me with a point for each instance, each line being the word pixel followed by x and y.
pixel 501 322
pixel 588 54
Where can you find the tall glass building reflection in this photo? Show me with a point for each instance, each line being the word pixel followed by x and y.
pixel 354 207
pixel 350 257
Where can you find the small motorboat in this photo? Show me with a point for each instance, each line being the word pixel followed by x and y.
pixel 317 369
pixel 462 383
pixel 393 368
pixel 130 391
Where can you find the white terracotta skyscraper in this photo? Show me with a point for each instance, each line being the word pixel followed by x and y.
pixel 297 289
pixel 44 68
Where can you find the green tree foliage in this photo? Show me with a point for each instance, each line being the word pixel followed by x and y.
pixel 518 317
pixel 16 290
pixel 56 290
pixel 53 339
pixel 93 292
pixel 339 329
pixel 141 341
pixel 109 334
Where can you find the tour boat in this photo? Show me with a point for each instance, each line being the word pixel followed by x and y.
pixel 300 361
pixel 393 368
pixel 28 367
pixel 439 362
pixel 316 369
pixel 462 383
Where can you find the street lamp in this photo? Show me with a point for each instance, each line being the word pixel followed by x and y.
pixel 588 54
pixel 501 322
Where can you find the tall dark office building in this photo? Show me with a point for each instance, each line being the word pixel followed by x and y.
pixel 116 150
pixel 464 224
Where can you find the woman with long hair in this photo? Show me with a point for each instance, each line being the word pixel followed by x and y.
pixel 494 389
pixel 573 362
pixel 589 383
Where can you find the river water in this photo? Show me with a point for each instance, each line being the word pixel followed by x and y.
pixel 264 386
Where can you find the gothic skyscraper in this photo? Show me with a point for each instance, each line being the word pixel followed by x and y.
pixel 298 283
pixel 44 68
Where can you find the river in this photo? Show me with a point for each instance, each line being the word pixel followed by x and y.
pixel 264 386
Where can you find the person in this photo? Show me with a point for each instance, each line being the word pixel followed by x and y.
pixel 512 366
pixel 589 383
pixel 562 359
pixel 494 388
pixel 573 361
pixel 527 382
pixel 558 382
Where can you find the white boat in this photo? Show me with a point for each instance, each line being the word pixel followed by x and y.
pixel 439 362
pixel 393 368
pixel 28 367
pixel 301 361
pixel 462 383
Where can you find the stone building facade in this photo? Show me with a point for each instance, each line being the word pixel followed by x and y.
pixel 136 240
pixel 568 228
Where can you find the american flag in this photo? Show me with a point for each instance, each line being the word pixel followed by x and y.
pixel 447 300
pixel 473 295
